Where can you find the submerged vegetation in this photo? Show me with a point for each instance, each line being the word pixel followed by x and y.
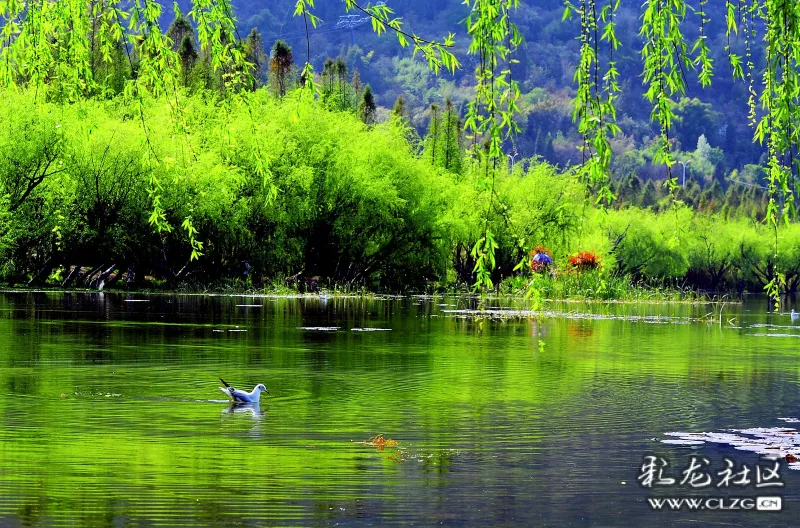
pixel 190 156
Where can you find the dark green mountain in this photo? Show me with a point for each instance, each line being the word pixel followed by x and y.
pixel 545 71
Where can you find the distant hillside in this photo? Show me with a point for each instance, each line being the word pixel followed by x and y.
pixel 545 71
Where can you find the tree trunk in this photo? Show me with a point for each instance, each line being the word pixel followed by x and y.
pixel 116 278
pixel 100 281
pixel 71 275
pixel 86 279
pixel 44 272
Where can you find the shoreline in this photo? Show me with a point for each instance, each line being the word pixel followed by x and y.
pixel 714 299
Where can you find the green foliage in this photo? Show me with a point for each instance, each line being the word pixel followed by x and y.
pixel 399 109
pixel 645 245
pixel 692 119
pixel 490 115
pixel 315 202
pixel 354 215
pixel 79 77
pixel 594 106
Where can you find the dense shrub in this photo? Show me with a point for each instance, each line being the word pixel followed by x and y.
pixel 336 199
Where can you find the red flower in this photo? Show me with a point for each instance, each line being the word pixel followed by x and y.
pixel 585 260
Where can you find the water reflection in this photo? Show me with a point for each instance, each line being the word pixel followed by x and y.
pixel 251 409
pixel 512 419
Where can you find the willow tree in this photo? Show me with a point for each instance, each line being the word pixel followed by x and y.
pixel 490 115
pixel 53 47
pixel 668 58
pixel 48 45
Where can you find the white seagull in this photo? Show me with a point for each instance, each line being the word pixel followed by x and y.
pixel 240 396
pixel 795 316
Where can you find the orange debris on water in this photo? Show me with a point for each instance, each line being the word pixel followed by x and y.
pixel 380 442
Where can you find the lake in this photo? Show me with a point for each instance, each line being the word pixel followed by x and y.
pixel 112 416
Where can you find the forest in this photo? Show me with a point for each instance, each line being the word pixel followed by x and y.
pixel 563 149
pixel 545 72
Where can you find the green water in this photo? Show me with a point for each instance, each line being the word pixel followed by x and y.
pixel 111 413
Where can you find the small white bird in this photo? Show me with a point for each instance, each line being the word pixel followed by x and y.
pixel 240 396
pixel 795 316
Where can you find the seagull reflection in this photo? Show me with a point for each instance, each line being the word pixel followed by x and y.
pixel 253 409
